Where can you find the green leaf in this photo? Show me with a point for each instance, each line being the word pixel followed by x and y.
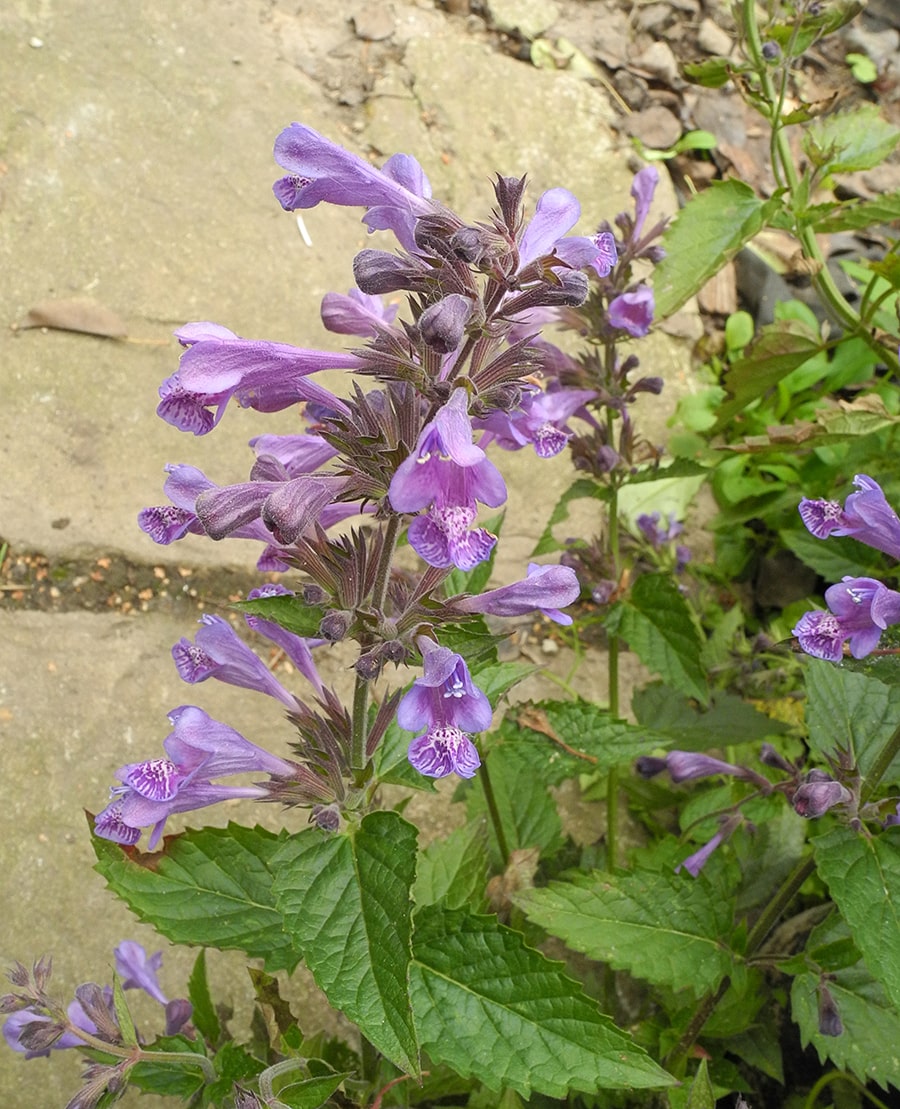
pixel 308 1091
pixel 708 231
pixel 823 19
pixel 561 739
pixel 840 556
pixel 203 1012
pixel 528 814
pixel 663 927
pixel 701 1095
pixel 490 1007
pixel 867 1047
pixel 498 678
pixel 847 141
pixel 854 216
pixel 289 612
pixel 211 887
pixel 863 878
pixel 712 73
pixel 581 489
pixel 728 720
pixel 862 67
pixel 124 1018
pixel 656 623
pixel 454 871
pixel 346 905
pixel 779 349
pixel 851 711
pixel 169 1079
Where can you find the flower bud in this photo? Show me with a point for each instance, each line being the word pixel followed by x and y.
pixel 771 51
pixel 830 1023
pixel 818 794
pixel 648 766
pixel 326 817
pixel 335 625
pixel 314 595
pixel 442 325
pixel 377 272
pixel 368 666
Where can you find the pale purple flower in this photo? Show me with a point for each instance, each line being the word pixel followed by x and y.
pixel 297 649
pixel 866 516
pixel 356 313
pixel 694 863
pixel 138 970
pixel 447 473
pixel 556 213
pixel 683 766
pixel 547 589
pixel 540 420
pixel 860 610
pixel 17 1022
pixel 198 749
pixel 643 186
pixel 446 703
pixel 219 365
pixel 632 312
pixel 217 652
pixel 320 170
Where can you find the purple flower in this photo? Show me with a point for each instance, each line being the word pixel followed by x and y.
pixel 320 170
pixel 632 312
pixel 443 324
pixel 683 766
pixel 138 970
pixel 198 749
pixel 287 507
pixel 447 474
pixel 541 420
pixel 356 313
pixel 217 652
pixel 557 211
pixel 446 704
pixel 819 793
pixel 860 610
pixel 649 526
pixel 219 365
pixel 295 647
pixel 694 863
pixel 16 1023
pixel 643 186
pixel 547 589
pixel 866 516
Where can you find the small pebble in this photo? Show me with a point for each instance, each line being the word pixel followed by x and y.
pixel 35 43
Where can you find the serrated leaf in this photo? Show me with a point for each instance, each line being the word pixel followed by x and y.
pixel 848 141
pixel 288 611
pixel 708 232
pixel 857 215
pixel 203 1012
pixel 165 1079
pixel 779 349
pixel 309 1092
pixel 454 871
pixel 346 905
pixel 840 556
pixel 728 720
pixel 863 878
pixel 211 887
pixel 701 1094
pixel 490 1007
pixel 528 814
pixel 563 738
pixel 851 711
pixel 498 678
pixel 663 927
pixel 656 623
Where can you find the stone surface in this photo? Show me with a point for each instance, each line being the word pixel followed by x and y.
pixel 137 171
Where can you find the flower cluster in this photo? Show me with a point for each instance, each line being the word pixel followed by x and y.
pixel 468 369
pixel 859 609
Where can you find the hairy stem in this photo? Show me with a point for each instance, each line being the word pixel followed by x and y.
pixel 612 663
pixel 494 813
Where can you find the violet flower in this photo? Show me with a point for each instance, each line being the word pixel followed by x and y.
pixel 556 213
pixel 547 589
pixel 199 749
pixel 643 187
pixel 295 647
pixel 217 652
pixel 819 793
pixel 866 516
pixel 219 365
pixel 138 970
pixel 540 420
pixel 356 313
pixel 860 610
pixel 446 704
pixel 16 1023
pixel 447 473
pixel 632 312
pixel 684 766
pixel 694 863
pixel 320 170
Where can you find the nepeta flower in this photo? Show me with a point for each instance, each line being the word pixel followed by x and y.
pixel 819 793
pixel 632 312
pixel 540 420
pixel 320 170
pixel 683 766
pixel 866 516
pixel 447 473
pixel 356 313
pixel 556 213
pixel 138 970
pixel 694 863
pixel 643 186
pixel 547 589
pixel 295 647
pixel 219 365
pixel 860 610
pixel 198 749
pixel 447 704
pixel 217 652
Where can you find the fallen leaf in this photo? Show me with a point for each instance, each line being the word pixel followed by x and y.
pixel 85 316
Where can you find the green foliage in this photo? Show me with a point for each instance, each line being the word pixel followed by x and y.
pixel 491 1007
pixel 287 611
pixel 346 906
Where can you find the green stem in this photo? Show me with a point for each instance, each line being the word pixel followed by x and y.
pixel 886 756
pixel 138 1055
pixel 612 665
pixel 822 280
pixel 494 812
pixel 360 723
pixel 840 1076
